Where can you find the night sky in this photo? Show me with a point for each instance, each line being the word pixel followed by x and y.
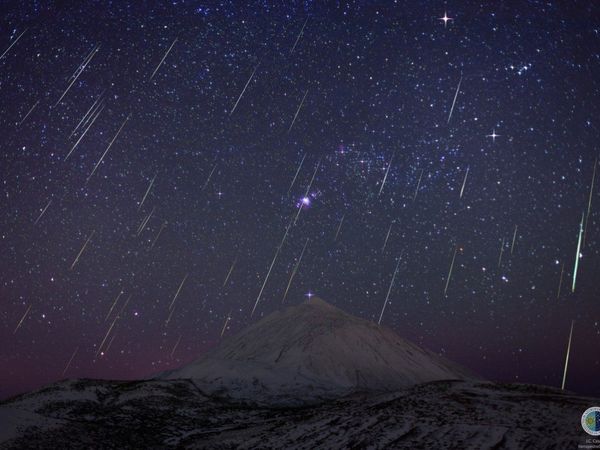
pixel 157 153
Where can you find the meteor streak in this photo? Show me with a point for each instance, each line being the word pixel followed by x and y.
pixel 450 271
pixel 109 146
pixel 147 192
pixel 307 190
pixel 14 42
pixel 577 255
pixel 162 60
pixel 294 272
pixel 82 249
pixel 299 36
pixel 113 305
pixel 175 346
pixel 297 172
pixel 162 227
pixel 512 246
pixel 339 228
pixel 70 360
pixel 567 357
pixel 42 213
pixel 90 112
pixel 244 90
pixel 230 271
pixel 28 113
pixel 389 291
pixel 385 176
pixel 297 111
pixel 145 222
pixel 178 291
pixel 112 325
pixel 22 319
pixel 590 200
pixel 455 97
pixel 225 324
pixel 418 184
pixel 209 177
pixel 271 267
pixel 78 72
pixel 85 132
pixel 562 271
pixel 387 237
pixel 464 183
pixel 501 252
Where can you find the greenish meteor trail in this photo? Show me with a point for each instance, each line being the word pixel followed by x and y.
pixel 577 254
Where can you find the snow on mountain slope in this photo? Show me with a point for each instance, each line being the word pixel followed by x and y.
pixel 314 349
pixel 176 414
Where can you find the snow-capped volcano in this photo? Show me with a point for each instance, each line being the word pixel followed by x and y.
pixel 315 348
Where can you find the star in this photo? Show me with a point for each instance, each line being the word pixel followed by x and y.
pixel 493 135
pixel 445 19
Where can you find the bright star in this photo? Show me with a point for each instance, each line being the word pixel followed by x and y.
pixel 445 19
pixel 493 135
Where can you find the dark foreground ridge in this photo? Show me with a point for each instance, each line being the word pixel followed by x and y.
pixel 309 376
pixel 175 413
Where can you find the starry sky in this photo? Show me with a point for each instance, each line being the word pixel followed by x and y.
pixel 170 169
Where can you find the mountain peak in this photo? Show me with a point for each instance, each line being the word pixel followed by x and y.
pixel 314 348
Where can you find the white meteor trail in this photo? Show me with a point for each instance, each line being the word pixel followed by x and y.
pixel 455 97
pixel 22 319
pixel 28 113
pixel 294 272
pixel 462 189
pixel 230 271
pixel 567 357
pixel 244 90
pixel 84 132
pixel 178 291
pixel 501 252
pixel 450 271
pixel 145 222
pixel 339 228
pixel 297 111
pixel 108 148
pixel 113 305
pixel 389 291
pixel 14 42
pixel 78 72
pixel 112 325
pixel 299 35
pixel 271 268
pixel 307 190
pixel 42 213
pixel 90 112
pixel 562 272
pixel 147 192
pixel 82 249
pixel 590 200
pixel 175 346
pixel 162 227
pixel 578 254
pixel 385 176
pixel 512 246
pixel 209 177
pixel 227 319
pixel 162 60
pixel 418 184
pixel 170 315
pixel 70 361
pixel 297 172
pixel 387 237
